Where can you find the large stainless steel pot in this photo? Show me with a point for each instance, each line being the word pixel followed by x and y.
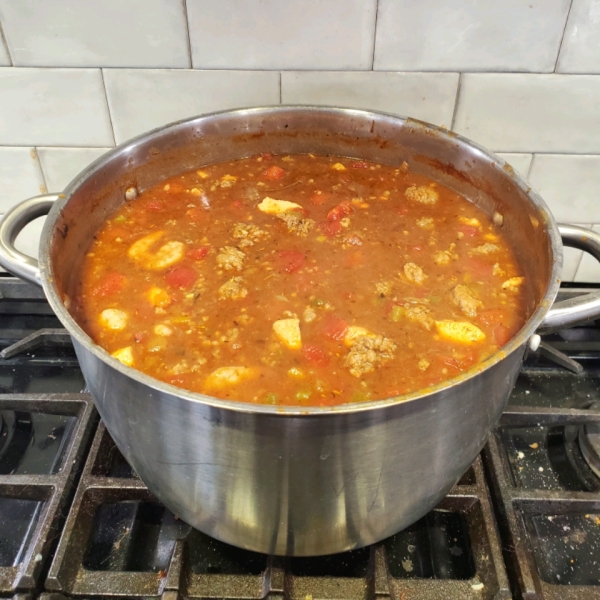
pixel 290 480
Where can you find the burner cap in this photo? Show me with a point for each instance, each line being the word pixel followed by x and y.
pixel 589 442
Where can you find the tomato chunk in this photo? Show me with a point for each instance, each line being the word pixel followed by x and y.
pixel 331 228
pixel 502 335
pixel 360 164
pixel 273 173
pixel 343 209
pixel 198 253
pixel 155 206
pixel 111 284
pixel 181 277
pixel 334 327
pixel 237 204
pixel 291 260
pixel 492 316
pixel 315 355
pixel 479 267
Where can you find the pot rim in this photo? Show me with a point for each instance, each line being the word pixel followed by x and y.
pixel 519 340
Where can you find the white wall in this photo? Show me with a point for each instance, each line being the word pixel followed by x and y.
pixel 522 77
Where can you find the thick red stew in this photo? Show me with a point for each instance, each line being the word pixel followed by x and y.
pixel 301 280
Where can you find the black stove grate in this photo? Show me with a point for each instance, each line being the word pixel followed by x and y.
pixel 120 541
pixel 43 442
pixel 549 502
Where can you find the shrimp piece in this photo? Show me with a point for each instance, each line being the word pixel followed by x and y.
pixel 166 256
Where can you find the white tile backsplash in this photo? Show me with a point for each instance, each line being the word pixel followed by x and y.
pixel 4 57
pixel 141 100
pixel 28 240
pixel 569 184
pixel 519 162
pixel 53 107
pixel 61 165
pixel 115 33
pixel 589 268
pixel 426 96
pixel 580 50
pixel 282 34
pixel 20 176
pixel 483 67
pixel 531 113
pixel 469 35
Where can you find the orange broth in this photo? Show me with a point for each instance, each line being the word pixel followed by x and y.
pixel 300 280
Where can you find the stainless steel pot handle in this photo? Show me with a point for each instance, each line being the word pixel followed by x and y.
pixel 15 262
pixel 583 308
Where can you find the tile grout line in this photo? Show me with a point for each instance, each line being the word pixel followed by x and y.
pixel 112 127
pixel 280 90
pixel 39 164
pixel 375 34
pixel 187 28
pixel 3 41
pixel 530 166
pixel 456 99
pixel 562 38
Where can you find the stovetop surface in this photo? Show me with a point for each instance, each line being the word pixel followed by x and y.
pixel 77 522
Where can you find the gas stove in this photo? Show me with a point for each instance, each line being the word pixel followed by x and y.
pixel 77 522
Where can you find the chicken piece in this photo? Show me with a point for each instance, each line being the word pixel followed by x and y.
pixel 496 270
pixel 485 249
pixel 383 288
pixel 424 364
pixel 230 259
pixel 233 289
pixel 513 284
pixel 465 300
pixel 309 314
pixel 368 352
pixel 227 376
pixel 287 331
pixel 166 256
pixel 248 234
pixel 425 222
pixel 296 223
pixel 113 318
pixel 423 194
pixel 461 332
pixel 419 312
pixel 125 355
pixel 277 207
pixel 414 273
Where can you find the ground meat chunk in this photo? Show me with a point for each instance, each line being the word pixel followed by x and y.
pixel 414 273
pixel 233 289
pixel 485 249
pixel 423 194
pixel 368 352
pixel 296 223
pixel 418 311
pixel 248 234
pixel 465 300
pixel 383 288
pixel 424 364
pixel 425 222
pixel 230 258
pixel 309 314
pixel 443 257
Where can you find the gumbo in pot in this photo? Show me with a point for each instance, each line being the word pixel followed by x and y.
pixel 301 280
